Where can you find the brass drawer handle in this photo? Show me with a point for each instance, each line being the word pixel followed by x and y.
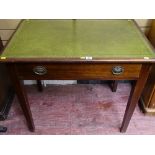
pixel 40 70
pixel 117 70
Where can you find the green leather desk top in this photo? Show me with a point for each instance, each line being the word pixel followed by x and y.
pixel 78 39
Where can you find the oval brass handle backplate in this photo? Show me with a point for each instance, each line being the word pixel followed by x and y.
pixel 117 70
pixel 40 70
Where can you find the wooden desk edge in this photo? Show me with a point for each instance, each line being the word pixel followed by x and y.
pixel 75 60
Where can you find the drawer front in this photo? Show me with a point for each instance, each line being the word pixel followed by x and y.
pixel 70 71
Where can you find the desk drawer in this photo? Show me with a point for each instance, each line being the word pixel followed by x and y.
pixel 77 71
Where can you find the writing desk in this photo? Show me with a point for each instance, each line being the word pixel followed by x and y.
pixel 81 50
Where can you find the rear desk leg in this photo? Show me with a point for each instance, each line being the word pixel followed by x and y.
pixel 21 94
pixel 39 85
pixel 113 85
pixel 136 91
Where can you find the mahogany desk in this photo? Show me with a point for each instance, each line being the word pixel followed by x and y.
pixel 81 50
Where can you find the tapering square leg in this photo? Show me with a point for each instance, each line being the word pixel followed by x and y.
pixel 136 91
pixel 22 96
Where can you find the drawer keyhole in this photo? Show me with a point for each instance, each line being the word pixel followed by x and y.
pixel 40 70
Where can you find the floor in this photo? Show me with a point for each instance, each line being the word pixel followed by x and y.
pixel 78 110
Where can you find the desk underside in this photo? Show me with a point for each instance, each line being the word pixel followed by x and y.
pixel 77 39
